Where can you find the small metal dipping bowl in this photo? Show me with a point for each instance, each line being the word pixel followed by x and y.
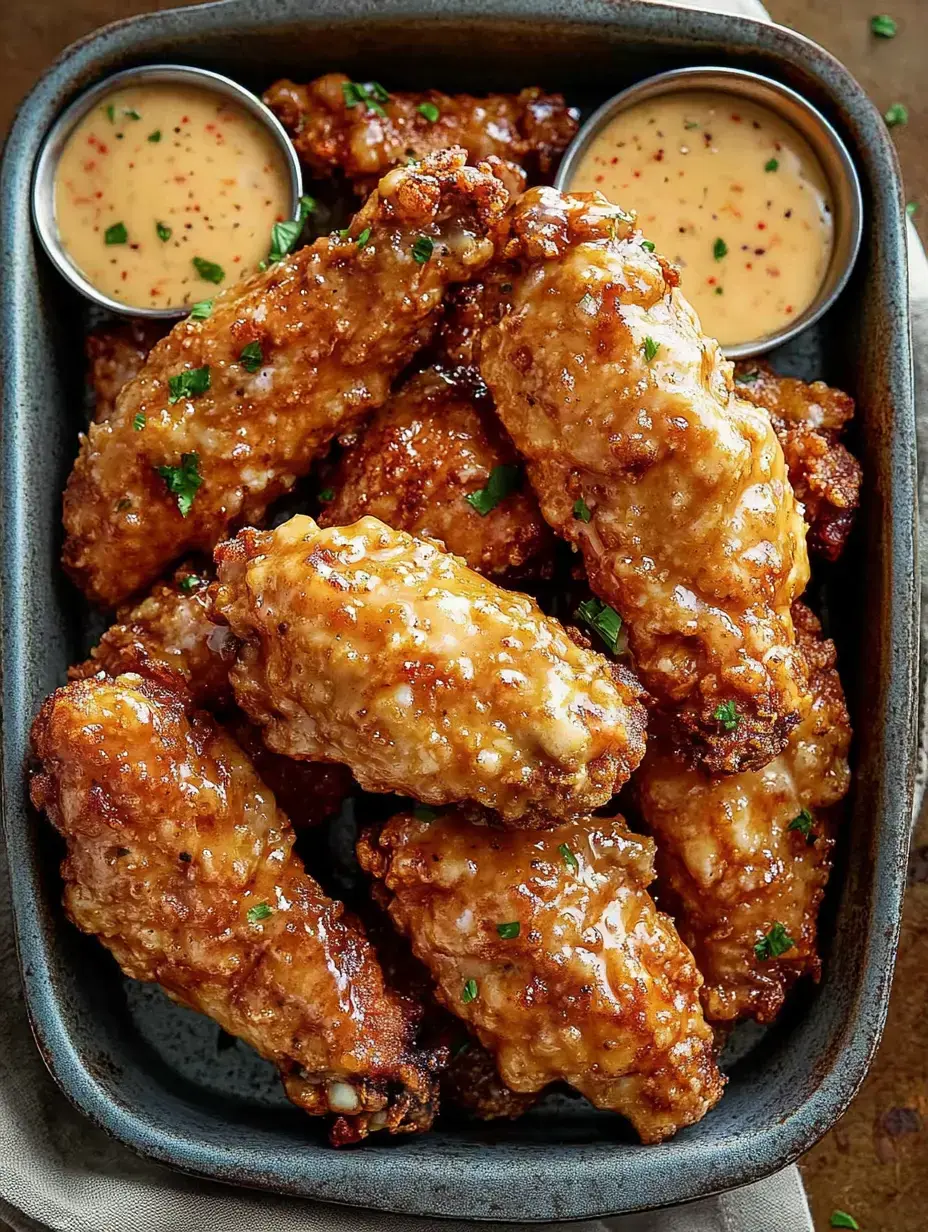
pixel 43 184
pixel 829 149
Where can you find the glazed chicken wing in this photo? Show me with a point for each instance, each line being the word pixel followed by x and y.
pixel 433 445
pixel 229 411
pixel 364 645
pixel 359 129
pixel 641 455
pixel 743 860
pixel 809 420
pixel 116 354
pixel 550 948
pixel 179 860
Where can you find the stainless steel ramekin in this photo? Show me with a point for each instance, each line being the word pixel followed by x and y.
pixel 43 183
pixel 843 183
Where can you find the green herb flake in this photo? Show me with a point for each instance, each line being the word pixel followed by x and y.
pixel 647 245
pixel 327 494
pixel 691 124
pixel 720 290
pixel 911 209
pixel 841 1219
pixel 111 113
pixel 259 912
pixel 251 357
pixel 369 95
pixel 469 992
pixel 183 481
pixel 603 620
pixel 363 238
pixel 509 932
pixel 201 310
pixel 502 481
pixel 130 113
pixel 422 249
pixel 116 234
pixel 774 943
pixel 422 812
pixel 650 348
pixel 772 164
pixel 719 249
pixel 155 136
pixel 430 111
pixel 582 510
pixel 164 233
pixel 209 271
pixel 190 582
pixel 751 377
pixel 803 822
pixel 896 115
pixel 727 715
pixel 188 384
pixel 882 26
pixel 138 422
pixel 569 858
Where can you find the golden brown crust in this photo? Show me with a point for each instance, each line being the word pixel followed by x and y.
pixel 730 868
pixel 336 322
pixel 596 988
pixel 115 354
pixel 615 399
pixel 172 840
pixel 530 129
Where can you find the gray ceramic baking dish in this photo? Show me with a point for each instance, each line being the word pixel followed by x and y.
pixel 156 1076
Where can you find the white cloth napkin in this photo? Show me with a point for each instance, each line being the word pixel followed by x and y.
pixel 59 1172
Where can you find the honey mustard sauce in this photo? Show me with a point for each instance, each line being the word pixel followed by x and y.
pixel 730 193
pixel 164 192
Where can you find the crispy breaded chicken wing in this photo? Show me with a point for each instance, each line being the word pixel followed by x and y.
pixel 809 419
pixel 201 440
pixel 644 457
pixel 179 860
pixel 360 130
pixel 435 443
pixel 364 645
pixel 550 948
pixel 115 354
pixel 743 861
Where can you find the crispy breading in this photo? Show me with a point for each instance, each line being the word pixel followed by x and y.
pixel 115 354
pixel 434 443
pixel 809 419
pixel 364 645
pixel 172 471
pixel 643 457
pixel 332 132
pixel 550 948
pixel 179 860
pixel 738 856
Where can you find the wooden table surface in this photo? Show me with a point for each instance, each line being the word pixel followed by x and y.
pixel 874 1163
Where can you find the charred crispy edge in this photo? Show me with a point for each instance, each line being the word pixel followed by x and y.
pixel 758 738
pixel 439 184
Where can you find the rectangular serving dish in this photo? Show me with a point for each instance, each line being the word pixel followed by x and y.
pixel 155 1075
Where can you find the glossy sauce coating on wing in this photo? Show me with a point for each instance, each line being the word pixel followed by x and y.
pixel 362 141
pixel 434 443
pixel 334 324
pixel 809 419
pixel 595 988
pixel 115 354
pixel 730 868
pixel 616 399
pixel 181 863
pixel 367 646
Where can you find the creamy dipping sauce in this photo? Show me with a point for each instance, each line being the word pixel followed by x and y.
pixel 730 193
pixel 163 192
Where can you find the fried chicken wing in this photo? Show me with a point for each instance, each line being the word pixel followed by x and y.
pixel 360 130
pixel 743 861
pixel 436 442
pixel 550 948
pixel 643 456
pixel 809 420
pixel 364 645
pixel 204 439
pixel 179 860
pixel 116 354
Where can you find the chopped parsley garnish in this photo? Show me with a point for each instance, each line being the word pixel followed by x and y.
pixel 164 233
pixel 647 245
pixel 691 124
pixel 209 271
pixel 259 912
pixel 369 94
pixel 188 384
pixel 895 115
pixel 508 931
pixel 841 1219
pixel 911 208
pixel 201 310
pixel 251 357
pixel 422 249
pixel 422 812
pixel 429 110
pixel 719 249
pixel 155 136
pixel 775 943
pixel 363 238
pixel 138 422
pixel 111 113
pixel 720 290
pixel 327 494
pixel 803 822
pixel 882 26
pixel 650 348
pixel 116 234
pixel 727 715
pixel 502 481
pixel 772 164
pixel 183 481
pixel 603 620
pixel 469 992
pixel 582 510
pixel 285 234
pixel 131 113
pixel 588 305
pixel 190 582
pixel 569 858
pixel 747 378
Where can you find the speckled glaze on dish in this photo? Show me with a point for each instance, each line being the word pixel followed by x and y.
pixel 156 1076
